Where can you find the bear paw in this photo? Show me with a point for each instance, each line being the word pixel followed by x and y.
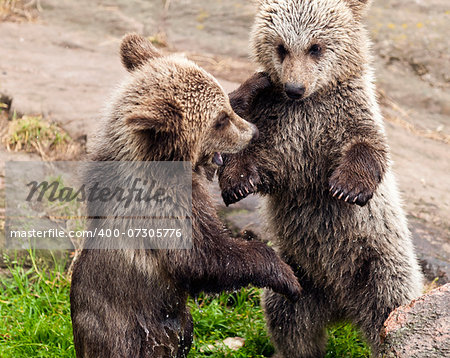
pixel 287 284
pixel 353 188
pixel 237 180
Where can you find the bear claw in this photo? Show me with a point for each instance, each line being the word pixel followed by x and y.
pixel 234 195
pixel 348 185
pixel 350 197
pixel 237 181
pixel 359 196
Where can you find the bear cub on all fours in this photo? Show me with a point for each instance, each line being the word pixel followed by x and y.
pixel 132 303
pixel 322 164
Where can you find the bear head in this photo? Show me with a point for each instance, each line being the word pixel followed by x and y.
pixel 171 109
pixel 310 45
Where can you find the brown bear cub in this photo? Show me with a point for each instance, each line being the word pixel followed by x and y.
pixel 322 164
pixel 132 303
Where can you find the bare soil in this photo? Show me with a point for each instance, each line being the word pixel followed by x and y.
pixel 64 65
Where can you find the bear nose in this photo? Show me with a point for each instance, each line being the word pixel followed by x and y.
pixel 294 90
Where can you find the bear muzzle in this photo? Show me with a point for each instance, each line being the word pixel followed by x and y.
pixel 294 91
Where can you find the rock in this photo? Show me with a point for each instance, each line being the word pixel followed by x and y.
pixel 234 343
pixel 420 329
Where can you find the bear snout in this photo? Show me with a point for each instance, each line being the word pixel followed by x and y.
pixel 255 132
pixel 294 90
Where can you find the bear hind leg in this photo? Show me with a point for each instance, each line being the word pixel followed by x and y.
pixel 375 296
pixel 298 330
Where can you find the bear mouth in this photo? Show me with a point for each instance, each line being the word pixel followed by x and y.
pixel 217 159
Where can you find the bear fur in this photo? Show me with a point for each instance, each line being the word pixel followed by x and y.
pixel 322 164
pixel 132 303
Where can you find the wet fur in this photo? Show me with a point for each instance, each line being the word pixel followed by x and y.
pixel 132 303
pixel 322 165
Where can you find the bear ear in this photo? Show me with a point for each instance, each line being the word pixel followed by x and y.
pixel 358 7
pixel 135 50
pixel 161 117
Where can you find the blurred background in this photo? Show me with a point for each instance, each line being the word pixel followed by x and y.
pixel 59 62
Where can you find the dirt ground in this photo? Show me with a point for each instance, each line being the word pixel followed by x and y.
pixel 64 64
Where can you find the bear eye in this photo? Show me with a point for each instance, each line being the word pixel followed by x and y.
pixel 315 50
pixel 221 121
pixel 282 52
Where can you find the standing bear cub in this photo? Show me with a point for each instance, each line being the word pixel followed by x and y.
pixel 322 163
pixel 132 303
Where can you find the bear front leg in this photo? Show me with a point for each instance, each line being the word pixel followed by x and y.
pixel 240 174
pixel 255 263
pixel 359 173
pixel 242 98
pixel 272 272
pixel 238 177
pixel 226 264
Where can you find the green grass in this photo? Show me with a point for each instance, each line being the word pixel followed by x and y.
pixel 345 342
pixel 33 133
pixel 230 315
pixel 35 312
pixel 35 319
